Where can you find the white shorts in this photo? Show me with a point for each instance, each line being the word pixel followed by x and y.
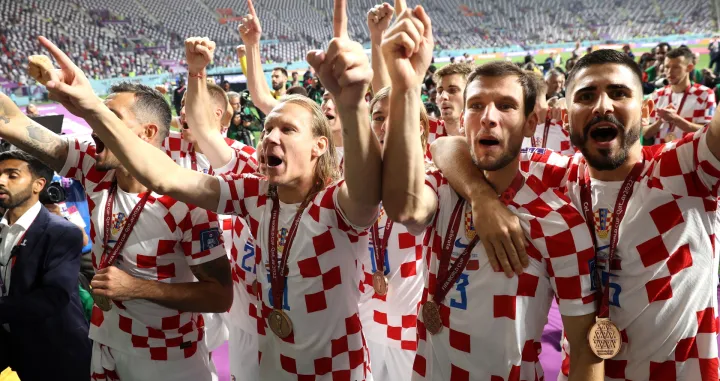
pixel 390 363
pixel 112 365
pixel 243 353
pixel 216 333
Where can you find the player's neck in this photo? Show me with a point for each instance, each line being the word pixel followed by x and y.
pixel 501 179
pixel 542 114
pixel 635 155
pixel 681 86
pixel 281 91
pixel 128 183
pixel 338 138
pixel 14 214
pixel 452 126
pixel 297 192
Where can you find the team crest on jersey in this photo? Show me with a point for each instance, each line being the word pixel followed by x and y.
pixel 118 222
pixel 469 226
pixel 282 239
pixel 603 222
pixel 209 238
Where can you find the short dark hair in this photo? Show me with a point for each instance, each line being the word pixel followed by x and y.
pixel 681 52
pixel 603 57
pixel 37 168
pixel 149 106
pixel 299 90
pixel 502 69
pixel 664 44
pixel 281 69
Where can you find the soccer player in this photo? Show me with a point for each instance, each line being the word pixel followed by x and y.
pixel 393 279
pixel 682 107
pixel 305 221
pixel 474 322
pixel 451 81
pixel 550 132
pixel 159 262
pixel 654 214
pixel 224 156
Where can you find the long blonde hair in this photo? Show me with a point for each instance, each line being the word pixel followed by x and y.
pixel 326 168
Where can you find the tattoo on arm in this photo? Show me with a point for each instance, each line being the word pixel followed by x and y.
pixel 42 143
pixel 4 119
pixel 217 270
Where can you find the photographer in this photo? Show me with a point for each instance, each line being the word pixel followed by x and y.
pixel 240 128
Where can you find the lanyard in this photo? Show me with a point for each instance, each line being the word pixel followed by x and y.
pixel 277 278
pixel 623 198
pixel 193 160
pixel 380 245
pixel 546 131
pixel 108 259
pixel 671 127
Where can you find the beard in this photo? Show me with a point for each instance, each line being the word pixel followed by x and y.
pixel 501 162
pixel 13 201
pixel 277 86
pixel 605 160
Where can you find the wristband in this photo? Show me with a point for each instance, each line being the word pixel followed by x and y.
pixel 198 75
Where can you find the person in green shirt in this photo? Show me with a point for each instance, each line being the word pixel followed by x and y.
pixel 656 71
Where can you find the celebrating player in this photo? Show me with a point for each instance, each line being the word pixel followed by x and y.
pixel 653 212
pixel 305 221
pixel 550 132
pixel 148 248
pixel 475 322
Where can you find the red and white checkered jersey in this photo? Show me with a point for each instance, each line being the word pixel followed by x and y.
pixel 558 139
pixel 391 319
pixel 663 282
pixel 492 325
pixel 169 237
pixel 699 108
pixel 238 241
pixel 321 293
pixel 436 130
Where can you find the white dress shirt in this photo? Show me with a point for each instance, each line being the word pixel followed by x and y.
pixel 9 237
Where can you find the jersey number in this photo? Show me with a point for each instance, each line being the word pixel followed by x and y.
pixel 249 257
pixel 372 260
pixel 460 285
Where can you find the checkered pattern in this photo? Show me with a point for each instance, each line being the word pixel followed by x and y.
pixel 663 283
pixel 166 241
pixel 436 130
pixel 238 242
pixel 322 284
pixel 558 138
pixel 391 319
pixel 493 325
pixel 699 108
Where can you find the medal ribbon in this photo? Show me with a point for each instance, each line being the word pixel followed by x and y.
pixel 108 259
pixel 618 213
pixel 446 278
pixel 671 127
pixel 277 278
pixel 546 130
pixel 380 245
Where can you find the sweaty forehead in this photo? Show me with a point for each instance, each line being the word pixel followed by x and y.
pixel 602 76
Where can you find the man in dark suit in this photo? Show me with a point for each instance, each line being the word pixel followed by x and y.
pixel 43 333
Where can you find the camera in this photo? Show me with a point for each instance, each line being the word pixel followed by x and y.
pixel 53 194
pixel 246 117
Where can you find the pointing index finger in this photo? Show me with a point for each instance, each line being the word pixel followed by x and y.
pixel 340 22
pixel 400 6
pixel 62 59
pixel 251 8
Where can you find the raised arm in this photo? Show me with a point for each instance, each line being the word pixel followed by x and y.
pixel 378 20
pixel 498 228
pixel 199 109
pixel 407 48
pixel 345 72
pixel 148 164
pixel 250 32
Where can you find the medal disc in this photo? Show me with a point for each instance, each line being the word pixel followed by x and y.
pixel 380 283
pixel 280 324
pixel 103 302
pixel 669 138
pixel 431 317
pixel 604 339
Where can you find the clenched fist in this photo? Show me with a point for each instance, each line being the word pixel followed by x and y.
pixel 199 52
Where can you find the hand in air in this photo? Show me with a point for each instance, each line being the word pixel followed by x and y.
pixel 199 52
pixel 249 28
pixel 378 20
pixel 408 46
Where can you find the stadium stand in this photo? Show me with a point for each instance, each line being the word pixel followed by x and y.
pixel 134 37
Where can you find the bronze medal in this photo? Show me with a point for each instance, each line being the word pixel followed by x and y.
pixel 380 283
pixel 280 323
pixel 103 302
pixel 431 317
pixel 669 138
pixel 604 338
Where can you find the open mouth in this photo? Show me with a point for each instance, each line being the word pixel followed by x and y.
pixel 273 161
pixel 603 133
pixel 489 141
pixel 99 145
pixel 330 116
